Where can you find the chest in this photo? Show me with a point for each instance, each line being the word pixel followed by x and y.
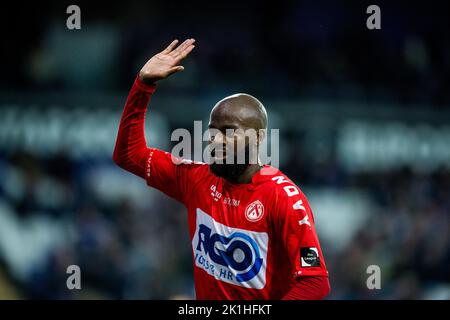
pixel 243 208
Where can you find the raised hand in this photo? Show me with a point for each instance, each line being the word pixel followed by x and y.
pixel 166 62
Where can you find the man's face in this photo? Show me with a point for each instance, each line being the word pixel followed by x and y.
pixel 231 141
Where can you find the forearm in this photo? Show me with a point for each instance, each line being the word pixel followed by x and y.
pixel 131 151
pixel 309 288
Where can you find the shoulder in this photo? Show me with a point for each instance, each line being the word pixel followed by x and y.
pixel 285 191
pixel 188 164
pixel 281 184
pixel 176 161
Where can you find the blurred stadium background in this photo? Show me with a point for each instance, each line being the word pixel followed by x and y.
pixel 364 120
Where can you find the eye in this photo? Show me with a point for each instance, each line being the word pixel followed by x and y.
pixel 229 131
pixel 212 132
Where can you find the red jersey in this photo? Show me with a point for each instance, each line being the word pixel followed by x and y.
pixel 249 241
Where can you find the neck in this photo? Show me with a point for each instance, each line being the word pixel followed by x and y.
pixel 247 175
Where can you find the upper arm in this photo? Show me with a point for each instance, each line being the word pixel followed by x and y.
pixel 295 228
pixel 172 176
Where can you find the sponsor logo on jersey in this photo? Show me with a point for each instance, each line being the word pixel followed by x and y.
pixel 254 211
pixel 214 193
pixel 232 255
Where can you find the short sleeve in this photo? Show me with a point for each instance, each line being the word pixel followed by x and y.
pixel 295 229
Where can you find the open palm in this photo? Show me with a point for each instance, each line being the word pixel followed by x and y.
pixel 166 62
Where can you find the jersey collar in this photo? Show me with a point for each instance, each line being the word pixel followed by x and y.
pixel 264 174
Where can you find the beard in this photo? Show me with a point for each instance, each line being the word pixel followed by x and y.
pixel 231 171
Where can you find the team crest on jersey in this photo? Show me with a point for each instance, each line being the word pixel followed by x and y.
pixel 254 211
pixel 231 255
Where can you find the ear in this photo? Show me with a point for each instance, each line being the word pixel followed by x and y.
pixel 261 135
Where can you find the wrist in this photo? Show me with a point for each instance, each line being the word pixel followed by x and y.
pixel 145 85
pixel 144 78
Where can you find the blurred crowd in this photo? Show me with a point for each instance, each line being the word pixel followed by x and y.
pixel 133 243
pixel 124 252
pixel 407 235
pixel 141 250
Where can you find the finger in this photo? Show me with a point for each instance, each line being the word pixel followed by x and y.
pixel 171 46
pixel 175 69
pixel 185 52
pixel 183 46
pixel 179 48
pixel 180 53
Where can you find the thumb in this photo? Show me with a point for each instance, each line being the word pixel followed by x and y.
pixel 175 69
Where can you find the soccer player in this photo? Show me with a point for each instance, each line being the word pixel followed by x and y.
pixel 253 234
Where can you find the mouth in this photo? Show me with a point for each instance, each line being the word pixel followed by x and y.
pixel 218 154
